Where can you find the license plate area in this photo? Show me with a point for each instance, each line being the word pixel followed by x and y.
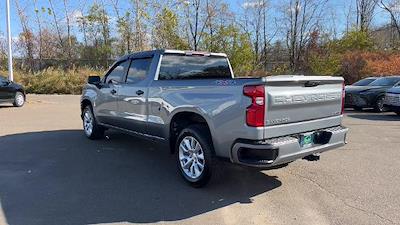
pixel 306 140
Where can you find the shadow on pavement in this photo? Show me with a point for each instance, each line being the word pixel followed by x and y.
pixel 375 116
pixel 60 177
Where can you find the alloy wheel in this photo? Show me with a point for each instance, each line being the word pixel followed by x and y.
pixel 19 100
pixel 88 123
pixel 191 157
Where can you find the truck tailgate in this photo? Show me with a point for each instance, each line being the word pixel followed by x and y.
pixel 293 99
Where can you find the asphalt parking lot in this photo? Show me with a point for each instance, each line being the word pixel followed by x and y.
pixel 51 174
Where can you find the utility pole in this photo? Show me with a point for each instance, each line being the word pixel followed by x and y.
pixel 10 66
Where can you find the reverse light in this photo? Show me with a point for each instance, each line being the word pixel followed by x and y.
pixel 255 113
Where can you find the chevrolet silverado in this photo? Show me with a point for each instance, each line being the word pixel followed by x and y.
pixel 192 103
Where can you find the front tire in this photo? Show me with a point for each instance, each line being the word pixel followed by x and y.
pixel 19 99
pixel 91 128
pixel 195 155
pixel 379 104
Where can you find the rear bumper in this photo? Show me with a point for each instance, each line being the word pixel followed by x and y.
pixel 276 151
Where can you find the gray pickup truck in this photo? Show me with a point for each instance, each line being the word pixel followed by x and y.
pixel 191 102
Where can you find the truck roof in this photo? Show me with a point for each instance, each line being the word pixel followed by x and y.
pixel 170 51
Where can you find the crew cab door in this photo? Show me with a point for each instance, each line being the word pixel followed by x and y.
pixel 132 96
pixel 106 103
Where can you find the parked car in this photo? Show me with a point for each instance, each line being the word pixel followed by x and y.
pixel 392 99
pixel 191 102
pixel 357 85
pixel 370 96
pixel 11 92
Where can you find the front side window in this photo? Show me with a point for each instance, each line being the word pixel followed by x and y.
pixel 178 67
pixel 138 70
pixel 117 74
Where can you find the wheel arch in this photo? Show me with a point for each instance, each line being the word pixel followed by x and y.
pixel 181 120
pixel 21 91
pixel 84 103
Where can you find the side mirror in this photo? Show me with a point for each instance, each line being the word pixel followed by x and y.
pixel 95 80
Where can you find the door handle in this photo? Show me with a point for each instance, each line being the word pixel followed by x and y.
pixel 139 92
pixel 113 91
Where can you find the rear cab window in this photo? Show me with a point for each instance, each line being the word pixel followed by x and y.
pixel 182 67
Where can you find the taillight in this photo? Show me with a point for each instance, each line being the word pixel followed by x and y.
pixel 343 96
pixel 256 111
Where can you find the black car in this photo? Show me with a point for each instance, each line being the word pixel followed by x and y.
pixel 370 96
pixel 11 92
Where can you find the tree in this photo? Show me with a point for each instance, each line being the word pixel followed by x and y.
pixel 344 56
pixel 197 23
pixel 82 22
pixel 218 15
pixel 124 28
pixel 97 28
pixel 3 51
pixel 39 25
pixel 365 13
pixel 68 24
pixel 392 7
pixel 166 33
pixel 352 41
pixel 256 25
pixel 302 18
pixel 140 16
pixel 52 12
pixel 51 48
pixel 26 37
pixel 236 44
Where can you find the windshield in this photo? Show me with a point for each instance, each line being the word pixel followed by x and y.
pixel 387 81
pixel 364 82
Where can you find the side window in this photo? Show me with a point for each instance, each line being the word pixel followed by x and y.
pixel 118 72
pixel 138 70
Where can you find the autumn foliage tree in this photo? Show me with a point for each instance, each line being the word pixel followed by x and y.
pixel 380 63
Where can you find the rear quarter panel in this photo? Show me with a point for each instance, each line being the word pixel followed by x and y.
pixel 220 102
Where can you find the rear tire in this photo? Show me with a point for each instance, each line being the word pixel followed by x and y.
pixel 195 155
pixel 91 128
pixel 19 99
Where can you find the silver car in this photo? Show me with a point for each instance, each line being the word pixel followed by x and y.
pixel 392 100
